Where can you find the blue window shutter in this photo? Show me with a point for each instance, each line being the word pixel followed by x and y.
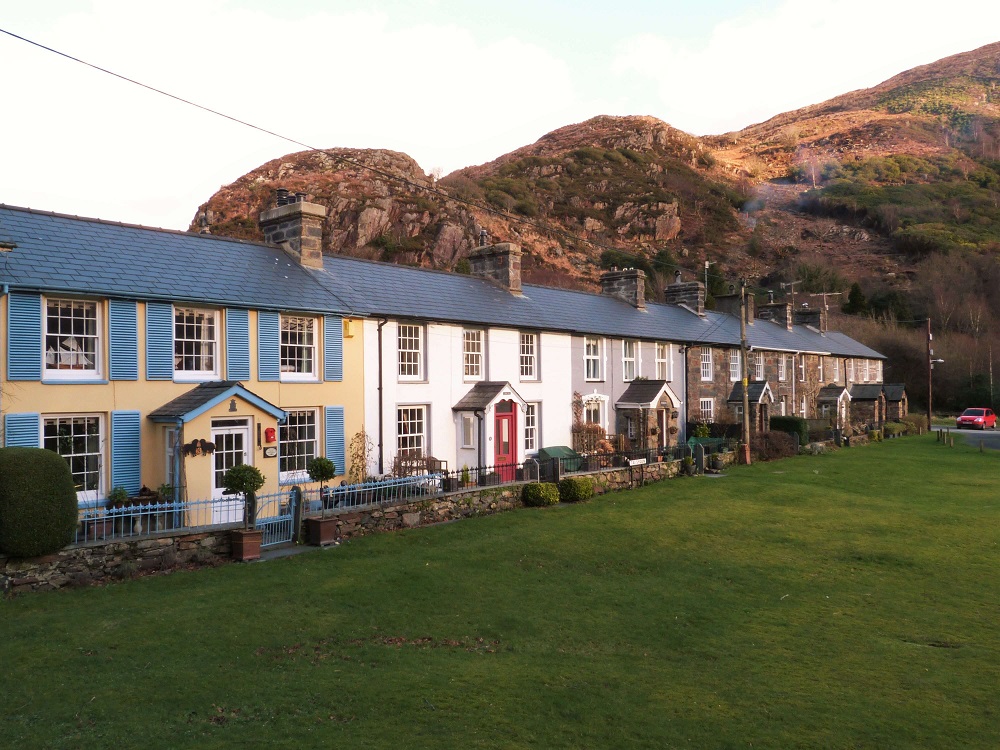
pixel 24 337
pixel 268 346
pixel 333 347
pixel 125 453
pixel 124 346
pixel 21 430
pixel 159 341
pixel 335 437
pixel 237 344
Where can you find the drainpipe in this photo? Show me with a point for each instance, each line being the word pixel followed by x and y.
pixel 684 406
pixel 381 426
pixel 178 440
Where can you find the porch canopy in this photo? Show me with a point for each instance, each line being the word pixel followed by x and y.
pixel 207 396
pixel 866 392
pixel 758 392
pixel 483 396
pixel 895 391
pixel 832 394
pixel 648 394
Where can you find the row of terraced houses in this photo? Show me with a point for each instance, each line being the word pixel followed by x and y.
pixel 154 357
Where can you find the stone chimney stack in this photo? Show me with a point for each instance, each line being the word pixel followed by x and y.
pixel 779 312
pixel 811 316
pixel 499 263
pixel 628 285
pixel 690 293
pixel 730 304
pixel 296 225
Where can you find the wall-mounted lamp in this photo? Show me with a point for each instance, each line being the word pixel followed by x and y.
pixel 232 404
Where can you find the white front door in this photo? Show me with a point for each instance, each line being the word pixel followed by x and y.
pixel 232 447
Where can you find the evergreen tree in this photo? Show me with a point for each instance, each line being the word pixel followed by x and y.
pixel 856 302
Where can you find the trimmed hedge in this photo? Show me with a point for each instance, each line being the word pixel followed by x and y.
pixel 540 493
pixel 793 426
pixel 38 508
pixel 576 489
pixel 770 446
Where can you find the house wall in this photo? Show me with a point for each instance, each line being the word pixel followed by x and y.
pixel 444 383
pixel 143 396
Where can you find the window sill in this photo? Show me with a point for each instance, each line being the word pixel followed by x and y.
pixel 206 378
pixel 74 381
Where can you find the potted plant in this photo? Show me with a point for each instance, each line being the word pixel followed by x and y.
pixel 321 531
pixel 244 479
pixel 466 477
pixel 687 465
pixel 118 500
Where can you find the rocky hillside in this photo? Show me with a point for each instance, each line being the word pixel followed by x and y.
pixel 829 194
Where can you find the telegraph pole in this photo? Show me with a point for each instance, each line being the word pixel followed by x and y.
pixel 745 370
pixel 930 372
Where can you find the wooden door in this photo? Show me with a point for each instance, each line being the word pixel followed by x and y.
pixel 505 440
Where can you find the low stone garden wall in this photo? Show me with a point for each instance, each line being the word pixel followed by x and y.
pixel 105 561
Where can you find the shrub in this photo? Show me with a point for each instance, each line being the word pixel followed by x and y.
pixel 793 426
pixel 536 495
pixel 892 429
pixel 875 436
pixel 576 489
pixel 244 479
pixel 321 469
pixel 38 508
pixel 770 446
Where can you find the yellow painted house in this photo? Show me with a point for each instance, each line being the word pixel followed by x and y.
pixel 149 357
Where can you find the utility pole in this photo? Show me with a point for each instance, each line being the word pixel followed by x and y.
pixel 744 366
pixel 824 295
pixel 791 285
pixel 930 372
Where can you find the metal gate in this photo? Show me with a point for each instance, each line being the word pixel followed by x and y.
pixel 276 518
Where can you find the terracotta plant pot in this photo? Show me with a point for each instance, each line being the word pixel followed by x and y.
pixel 321 531
pixel 246 544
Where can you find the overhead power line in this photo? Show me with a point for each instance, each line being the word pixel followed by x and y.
pixel 543 228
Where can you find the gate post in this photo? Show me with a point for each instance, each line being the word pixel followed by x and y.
pixel 295 498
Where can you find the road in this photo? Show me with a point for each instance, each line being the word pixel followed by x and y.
pixel 990 438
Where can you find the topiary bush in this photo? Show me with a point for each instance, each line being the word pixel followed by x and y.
pixel 38 508
pixel 793 426
pixel 537 494
pixel 576 489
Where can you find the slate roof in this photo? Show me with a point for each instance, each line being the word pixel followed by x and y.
pixel 644 394
pixel 204 395
pixel 755 392
pixel 832 392
pixel 481 395
pixel 894 391
pixel 57 253
pixel 866 392
pixel 77 255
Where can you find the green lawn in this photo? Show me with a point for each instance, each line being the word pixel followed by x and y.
pixel 839 601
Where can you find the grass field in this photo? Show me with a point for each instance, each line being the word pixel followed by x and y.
pixel 840 601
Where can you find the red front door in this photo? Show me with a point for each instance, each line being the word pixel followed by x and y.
pixel 504 440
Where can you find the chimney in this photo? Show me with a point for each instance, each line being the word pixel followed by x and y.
pixel 296 225
pixel 691 294
pixel 499 263
pixel 811 316
pixel 628 285
pixel 730 304
pixel 779 312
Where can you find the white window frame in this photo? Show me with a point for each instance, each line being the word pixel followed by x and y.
pixel 593 359
pixel 61 363
pixel 819 370
pixel 664 362
pixel 758 366
pixel 734 365
pixel 468 430
pixel 528 351
pixel 706 410
pixel 804 406
pixel 878 370
pixel 85 496
pixel 212 343
pixel 472 353
pixel 410 352
pixel 850 371
pixel 532 433
pixel 782 368
pixel 835 367
pixel 629 361
pixel 414 438
pixel 707 369
pixel 300 474
pixel 866 371
pixel 802 368
pixel 598 402
pixel 293 354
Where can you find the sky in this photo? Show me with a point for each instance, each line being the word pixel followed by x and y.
pixel 451 83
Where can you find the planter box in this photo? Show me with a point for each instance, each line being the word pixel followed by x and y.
pixel 246 544
pixel 321 531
